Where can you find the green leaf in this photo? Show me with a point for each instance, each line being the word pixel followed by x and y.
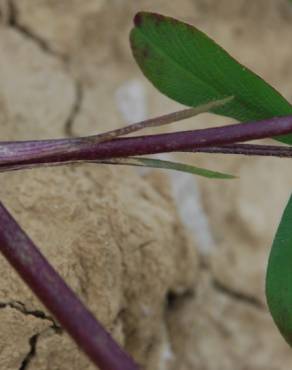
pixel 279 276
pixel 158 163
pixel 189 67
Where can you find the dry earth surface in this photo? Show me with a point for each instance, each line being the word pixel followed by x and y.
pixel 117 236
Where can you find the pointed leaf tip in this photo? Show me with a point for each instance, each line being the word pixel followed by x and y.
pixel 168 165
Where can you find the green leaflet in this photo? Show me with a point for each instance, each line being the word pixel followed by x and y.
pixel 158 163
pixel 189 67
pixel 279 276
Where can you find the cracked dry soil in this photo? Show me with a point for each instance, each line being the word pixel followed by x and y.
pixel 113 235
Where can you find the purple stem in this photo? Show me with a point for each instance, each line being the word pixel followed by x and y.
pixel 241 149
pixel 66 150
pixel 246 149
pixel 53 292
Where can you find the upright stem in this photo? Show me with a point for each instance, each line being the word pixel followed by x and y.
pixel 53 292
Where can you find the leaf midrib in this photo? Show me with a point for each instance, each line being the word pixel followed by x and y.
pixel 252 107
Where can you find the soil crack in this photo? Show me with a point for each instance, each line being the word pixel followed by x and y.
pixel 76 106
pixel 33 342
pixel 13 21
pixel 19 306
pixel 238 296
pixel 31 353
pixel 174 300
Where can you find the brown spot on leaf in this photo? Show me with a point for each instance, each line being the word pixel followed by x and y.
pixel 158 18
pixel 138 19
pixel 145 53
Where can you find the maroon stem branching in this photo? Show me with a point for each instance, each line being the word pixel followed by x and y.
pixel 85 149
pixel 163 120
pixel 53 292
pixel 237 149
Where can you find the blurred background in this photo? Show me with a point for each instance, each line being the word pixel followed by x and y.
pixel 232 223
